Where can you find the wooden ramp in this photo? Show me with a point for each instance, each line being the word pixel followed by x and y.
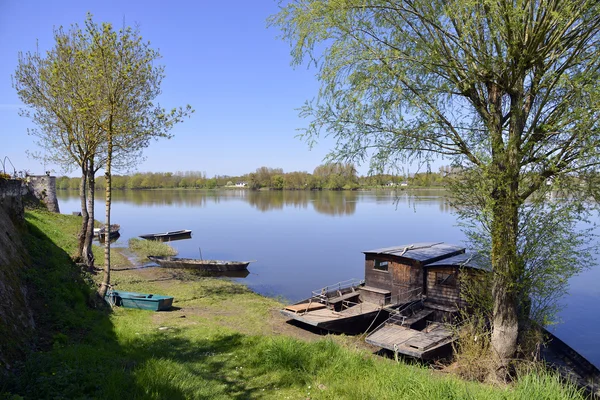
pixel 408 341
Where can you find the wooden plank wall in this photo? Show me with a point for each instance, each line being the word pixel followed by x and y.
pixel 401 277
pixel 444 294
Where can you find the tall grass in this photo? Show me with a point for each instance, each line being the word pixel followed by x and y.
pixel 328 371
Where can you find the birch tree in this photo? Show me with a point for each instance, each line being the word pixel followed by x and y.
pixel 128 84
pixel 505 88
pixel 92 97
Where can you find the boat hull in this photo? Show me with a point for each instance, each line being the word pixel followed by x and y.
pixel 140 301
pixel 168 236
pixel 113 233
pixel 219 274
pixel 348 324
pixel 202 265
pixel 570 364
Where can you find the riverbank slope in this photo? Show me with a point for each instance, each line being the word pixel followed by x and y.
pixel 220 341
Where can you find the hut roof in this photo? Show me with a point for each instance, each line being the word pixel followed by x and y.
pixel 465 260
pixel 424 252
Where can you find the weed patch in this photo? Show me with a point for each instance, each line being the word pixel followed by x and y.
pixel 144 248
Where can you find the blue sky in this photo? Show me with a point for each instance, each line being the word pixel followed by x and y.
pixel 219 57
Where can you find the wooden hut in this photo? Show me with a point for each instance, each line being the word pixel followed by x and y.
pixel 420 330
pixel 395 275
pixel 444 278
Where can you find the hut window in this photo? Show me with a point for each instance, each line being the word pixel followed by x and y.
pixel 381 265
pixel 442 278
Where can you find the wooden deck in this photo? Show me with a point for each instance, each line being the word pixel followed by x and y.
pixel 344 297
pixel 420 315
pixel 410 341
pixel 305 307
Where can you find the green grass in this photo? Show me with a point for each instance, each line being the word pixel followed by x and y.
pixel 62 291
pixel 215 344
pixel 144 248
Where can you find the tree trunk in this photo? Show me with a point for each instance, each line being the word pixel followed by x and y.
pixel 106 276
pixel 507 268
pixel 84 214
pixel 503 175
pixel 89 234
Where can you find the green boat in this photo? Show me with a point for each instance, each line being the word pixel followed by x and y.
pixel 141 301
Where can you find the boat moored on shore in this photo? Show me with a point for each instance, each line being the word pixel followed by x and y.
pixel 394 277
pixel 168 236
pixel 199 264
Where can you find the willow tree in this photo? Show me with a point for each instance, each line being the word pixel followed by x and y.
pixel 507 88
pixel 128 82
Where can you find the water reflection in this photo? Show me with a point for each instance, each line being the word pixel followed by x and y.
pixel 335 203
pixel 193 198
pixel 323 202
pixel 415 197
pixel 331 203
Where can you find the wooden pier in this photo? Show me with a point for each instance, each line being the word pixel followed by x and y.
pixel 423 344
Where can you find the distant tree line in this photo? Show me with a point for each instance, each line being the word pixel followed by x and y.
pixel 332 176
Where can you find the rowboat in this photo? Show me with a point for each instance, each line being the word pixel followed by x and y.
pixel 204 265
pixel 219 274
pixel 168 236
pixel 141 301
pixel 345 307
pixel 570 364
pixel 112 234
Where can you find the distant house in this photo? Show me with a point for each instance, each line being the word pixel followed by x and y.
pixel 241 184
pixel 390 184
pixel 404 184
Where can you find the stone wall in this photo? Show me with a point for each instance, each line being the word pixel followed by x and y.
pixel 11 197
pixel 15 193
pixel 44 188
pixel 16 319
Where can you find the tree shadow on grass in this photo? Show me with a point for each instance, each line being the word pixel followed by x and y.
pixel 210 363
pixel 77 353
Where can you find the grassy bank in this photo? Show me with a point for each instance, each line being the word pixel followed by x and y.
pixel 221 341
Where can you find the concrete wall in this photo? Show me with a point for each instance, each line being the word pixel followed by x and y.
pixel 44 188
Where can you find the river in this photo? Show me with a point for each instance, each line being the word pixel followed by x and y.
pixel 303 240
